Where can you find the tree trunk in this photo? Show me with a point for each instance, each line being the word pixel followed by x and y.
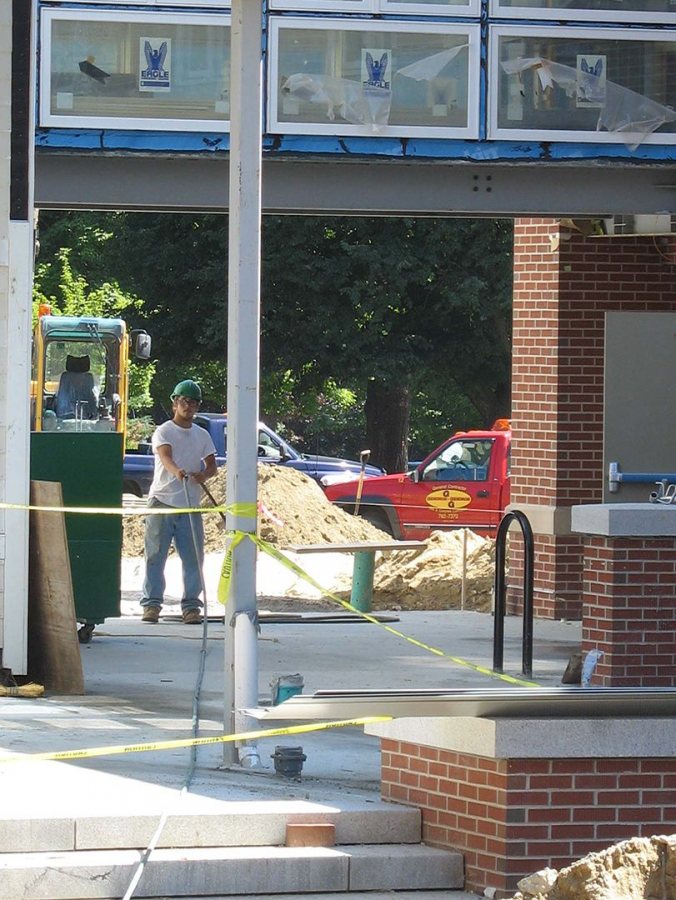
pixel 387 412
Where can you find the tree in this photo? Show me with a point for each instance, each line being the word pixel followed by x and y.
pixel 407 320
pixel 72 296
pixel 404 306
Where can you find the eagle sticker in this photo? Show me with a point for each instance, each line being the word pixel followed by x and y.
pixel 448 498
pixel 154 64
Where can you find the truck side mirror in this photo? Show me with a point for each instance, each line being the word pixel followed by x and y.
pixel 141 343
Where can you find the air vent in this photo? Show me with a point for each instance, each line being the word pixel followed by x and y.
pixel 624 226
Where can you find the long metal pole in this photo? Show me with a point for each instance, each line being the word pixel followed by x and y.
pixel 241 652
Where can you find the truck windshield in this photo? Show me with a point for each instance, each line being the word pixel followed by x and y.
pixel 461 460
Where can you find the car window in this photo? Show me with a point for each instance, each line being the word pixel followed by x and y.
pixel 461 460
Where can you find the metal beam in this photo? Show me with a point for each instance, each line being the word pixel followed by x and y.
pixel 546 703
pixel 356 187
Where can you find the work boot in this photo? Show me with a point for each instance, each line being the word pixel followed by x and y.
pixel 151 615
pixel 192 617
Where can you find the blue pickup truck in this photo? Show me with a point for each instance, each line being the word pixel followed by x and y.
pixel 139 465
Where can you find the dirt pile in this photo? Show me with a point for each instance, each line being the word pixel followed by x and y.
pixel 432 579
pixel 637 869
pixel 294 510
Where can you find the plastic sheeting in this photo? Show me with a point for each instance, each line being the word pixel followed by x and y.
pixel 357 103
pixel 430 67
pixel 621 111
pixel 363 104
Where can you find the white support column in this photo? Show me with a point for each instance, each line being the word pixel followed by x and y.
pixel 16 282
pixel 241 651
pixel 14 401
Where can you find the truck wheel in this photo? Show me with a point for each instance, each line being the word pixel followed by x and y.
pixel 130 487
pixel 378 518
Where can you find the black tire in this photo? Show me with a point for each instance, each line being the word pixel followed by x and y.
pixel 376 517
pixel 85 633
pixel 131 487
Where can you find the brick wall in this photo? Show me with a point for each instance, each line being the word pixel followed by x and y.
pixel 563 285
pixel 512 817
pixel 630 610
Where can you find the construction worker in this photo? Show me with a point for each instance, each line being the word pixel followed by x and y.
pixel 185 457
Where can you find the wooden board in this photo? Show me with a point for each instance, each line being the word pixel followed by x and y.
pixel 53 646
pixel 358 547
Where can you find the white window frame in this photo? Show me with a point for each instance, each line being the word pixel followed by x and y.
pixel 534 134
pixel 470 32
pixel 471 9
pixel 500 10
pixel 47 119
pixel 354 6
pixel 429 8
pixel 217 4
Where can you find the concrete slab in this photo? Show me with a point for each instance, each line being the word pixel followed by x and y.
pixel 172 873
pixel 410 868
pixel 140 682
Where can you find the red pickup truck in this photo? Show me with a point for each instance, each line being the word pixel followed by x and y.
pixel 464 483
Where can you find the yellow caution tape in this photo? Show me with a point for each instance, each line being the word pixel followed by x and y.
pixel 249 510
pixel 224 586
pixel 190 742
pixel 234 538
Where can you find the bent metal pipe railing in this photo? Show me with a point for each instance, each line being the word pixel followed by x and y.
pixel 500 590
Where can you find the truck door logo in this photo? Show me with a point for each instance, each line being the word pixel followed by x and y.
pixel 449 498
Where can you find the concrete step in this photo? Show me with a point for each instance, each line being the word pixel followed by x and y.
pixel 228 871
pixel 228 825
pixel 451 894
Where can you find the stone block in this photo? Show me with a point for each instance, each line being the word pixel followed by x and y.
pixel 310 835
pixel 194 872
pixel 625 519
pixel 417 867
pixel 31 835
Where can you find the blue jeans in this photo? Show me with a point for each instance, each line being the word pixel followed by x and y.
pixel 160 531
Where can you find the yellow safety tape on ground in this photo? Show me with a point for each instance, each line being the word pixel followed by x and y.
pixel 190 742
pixel 246 510
pixel 224 587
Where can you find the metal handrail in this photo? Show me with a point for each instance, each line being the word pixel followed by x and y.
pixel 616 477
pixel 514 515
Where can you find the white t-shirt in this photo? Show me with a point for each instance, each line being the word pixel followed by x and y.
pixel 189 447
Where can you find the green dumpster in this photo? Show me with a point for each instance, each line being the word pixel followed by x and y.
pixel 89 467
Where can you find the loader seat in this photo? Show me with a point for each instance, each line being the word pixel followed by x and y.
pixel 76 386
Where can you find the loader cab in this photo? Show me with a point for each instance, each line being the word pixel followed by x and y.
pixel 80 374
pixel 79 389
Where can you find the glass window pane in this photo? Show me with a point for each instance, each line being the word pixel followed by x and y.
pixel 375 78
pixel 620 88
pixel 138 70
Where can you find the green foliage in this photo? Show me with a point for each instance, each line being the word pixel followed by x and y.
pixel 139 428
pixel 424 304
pixel 329 421
pixel 417 302
pixel 72 296
pixel 68 292
pixel 140 379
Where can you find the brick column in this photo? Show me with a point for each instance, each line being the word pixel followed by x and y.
pixel 563 285
pixel 629 592
pixel 515 796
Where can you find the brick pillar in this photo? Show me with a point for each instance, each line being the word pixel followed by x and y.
pixel 630 610
pixel 564 789
pixel 563 285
